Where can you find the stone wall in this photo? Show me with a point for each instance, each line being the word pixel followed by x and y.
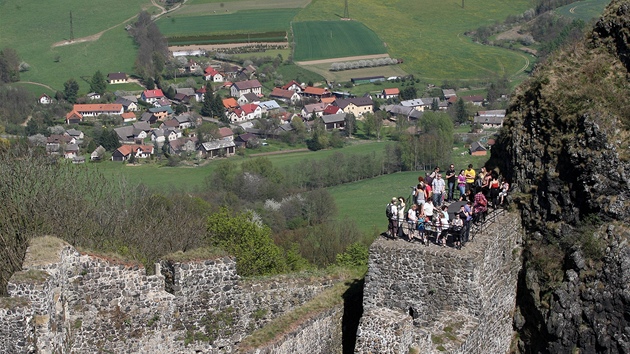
pixel 441 299
pixel 83 303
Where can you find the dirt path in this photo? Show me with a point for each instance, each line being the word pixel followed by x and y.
pixel 98 35
pixel 38 84
pixel 337 60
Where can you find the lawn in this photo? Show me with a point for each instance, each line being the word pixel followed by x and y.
pixel 246 21
pixel 158 177
pixel 333 39
pixel 428 35
pixel 583 10
pixel 31 28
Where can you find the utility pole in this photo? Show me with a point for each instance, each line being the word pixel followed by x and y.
pixel 71 29
pixel 462 4
pixel 346 13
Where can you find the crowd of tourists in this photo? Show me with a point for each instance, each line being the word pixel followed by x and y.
pixel 425 214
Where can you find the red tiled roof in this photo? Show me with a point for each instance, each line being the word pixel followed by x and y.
pixel 392 91
pixel 230 102
pixel 293 82
pixel 153 93
pixel 249 108
pixel 128 115
pixel 278 92
pixel 332 109
pixel 315 91
pixel 98 107
pixel 223 132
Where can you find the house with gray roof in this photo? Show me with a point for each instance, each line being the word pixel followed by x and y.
pixel 216 148
pixel 334 121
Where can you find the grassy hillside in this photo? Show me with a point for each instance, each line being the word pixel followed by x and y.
pixel 428 35
pixel 31 28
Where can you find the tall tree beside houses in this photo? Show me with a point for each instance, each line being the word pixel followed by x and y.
pixel 218 109
pixel 208 100
pixel 71 90
pixel 461 113
pixel 153 47
pixel 109 140
pixel 98 83
pixel 350 122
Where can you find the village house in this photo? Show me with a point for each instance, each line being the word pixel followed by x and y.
pixel 230 103
pixel 185 121
pixel 332 109
pixel 286 96
pixel 334 121
pixel 200 93
pixel 476 100
pixel 490 119
pixel 152 96
pixel 390 93
pixel 476 149
pixel 236 115
pixel 185 94
pixel 161 113
pixel 416 103
pixel 128 105
pixel 292 86
pixel 397 111
pixel 71 151
pixel 117 78
pixel 243 139
pixel 270 106
pixel 448 93
pixel 148 117
pixel 315 92
pixel 128 117
pixel 184 144
pixel 226 134
pixel 217 148
pixel 93 96
pixel 129 134
pixel 79 111
pixel 251 111
pixel 98 153
pixel 213 75
pixel 161 135
pixel 357 106
pixel 192 66
pixel 76 134
pixel 125 152
pixel 240 88
pixel 248 98
pixel 45 99
pixel 314 108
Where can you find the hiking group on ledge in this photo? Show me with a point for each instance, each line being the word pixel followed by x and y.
pixel 432 199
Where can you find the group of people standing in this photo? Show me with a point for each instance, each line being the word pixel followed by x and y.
pixel 429 201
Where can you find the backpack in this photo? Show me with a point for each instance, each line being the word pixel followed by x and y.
pixel 388 211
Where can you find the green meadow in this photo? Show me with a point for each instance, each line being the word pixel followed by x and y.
pixel 584 10
pixel 247 21
pixel 429 35
pixel 333 39
pixel 32 27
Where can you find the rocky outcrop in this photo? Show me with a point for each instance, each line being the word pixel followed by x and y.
pixel 565 148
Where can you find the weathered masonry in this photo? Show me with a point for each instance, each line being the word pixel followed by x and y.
pixel 73 302
pixel 441 300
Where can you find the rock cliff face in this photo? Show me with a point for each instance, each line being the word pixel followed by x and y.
pixel 565 148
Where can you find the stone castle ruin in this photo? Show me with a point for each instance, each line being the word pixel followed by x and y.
pixel 416 299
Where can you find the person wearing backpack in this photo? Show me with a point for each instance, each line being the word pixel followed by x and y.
pixel 391 211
